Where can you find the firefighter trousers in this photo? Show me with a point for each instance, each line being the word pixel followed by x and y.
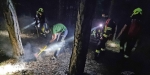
pixel 129 46
pixel 59 50
pixel 101 46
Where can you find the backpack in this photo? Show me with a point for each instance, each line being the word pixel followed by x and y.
pixel 134 28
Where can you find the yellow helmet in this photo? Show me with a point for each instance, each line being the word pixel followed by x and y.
pixel 137 11
pixel 40 10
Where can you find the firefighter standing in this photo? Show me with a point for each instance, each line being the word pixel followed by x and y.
pixel 107 34
pixel 40 19
pixel 98 33
pixel 94 33
pixel 130 33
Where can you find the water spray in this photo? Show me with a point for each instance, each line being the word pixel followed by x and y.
pixel 29 25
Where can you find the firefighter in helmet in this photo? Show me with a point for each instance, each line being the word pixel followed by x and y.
pixel 130 33
pixel 107 34
pixel 40 19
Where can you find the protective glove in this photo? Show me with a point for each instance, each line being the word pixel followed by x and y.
pixel 105 35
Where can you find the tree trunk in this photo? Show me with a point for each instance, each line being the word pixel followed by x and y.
pixel 59 11
pixel 111 8
pixel 12 27
pixel 82 36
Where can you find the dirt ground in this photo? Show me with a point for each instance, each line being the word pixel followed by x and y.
pixel 110 62
pixel 44 65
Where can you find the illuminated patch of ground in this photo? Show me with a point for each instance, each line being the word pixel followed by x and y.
pixel 46 66
pixel 10 66
pixel 5 34
pixel 113 46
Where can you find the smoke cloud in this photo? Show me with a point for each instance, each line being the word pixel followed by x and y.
pixel 29 51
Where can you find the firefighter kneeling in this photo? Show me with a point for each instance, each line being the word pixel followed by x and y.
pixel 108 32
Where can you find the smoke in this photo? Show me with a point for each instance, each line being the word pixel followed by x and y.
pixel 8 50
pixel 29 52
pixel 26 23
pixel 5 45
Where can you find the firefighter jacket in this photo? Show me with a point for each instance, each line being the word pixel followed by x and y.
pixel 109 28
pixel 133 28
pixel 40 18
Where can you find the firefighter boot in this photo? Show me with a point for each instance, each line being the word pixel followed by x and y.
pixel 97 53
pixel 122 52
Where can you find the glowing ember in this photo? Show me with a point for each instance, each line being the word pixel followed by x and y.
pixel 11 68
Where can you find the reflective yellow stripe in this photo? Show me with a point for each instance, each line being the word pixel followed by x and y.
pixel 105 35
pixel 43 29
pixel 97 51
pixel 109 28
pixel 105 29
pixel 102 49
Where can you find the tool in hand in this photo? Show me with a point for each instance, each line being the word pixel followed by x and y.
pixel 41 51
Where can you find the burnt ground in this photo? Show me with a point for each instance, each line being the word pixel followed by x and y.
pixel 110 61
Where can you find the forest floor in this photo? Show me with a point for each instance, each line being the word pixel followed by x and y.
pixel 110 62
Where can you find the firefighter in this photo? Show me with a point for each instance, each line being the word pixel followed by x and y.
pixel 130 33
pixel 58 30
pixel 40 19
pixel 107 34
pixel 45 29
pixel 94 33
pixel 98 33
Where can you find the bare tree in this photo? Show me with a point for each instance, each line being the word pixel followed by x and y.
pixel 82 36
pixel 12 27
pixel 111 8
pixel 59 10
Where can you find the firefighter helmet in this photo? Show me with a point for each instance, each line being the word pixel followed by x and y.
pixel 40 10
pixel 137 11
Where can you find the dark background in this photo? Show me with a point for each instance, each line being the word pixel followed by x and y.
pixel 122 9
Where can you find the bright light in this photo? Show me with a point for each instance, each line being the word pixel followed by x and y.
pixel 11 68
pixel 100 25
pixel 59 45
pixel 112 44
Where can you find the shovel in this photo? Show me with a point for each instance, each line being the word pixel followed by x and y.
pixel 36 55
